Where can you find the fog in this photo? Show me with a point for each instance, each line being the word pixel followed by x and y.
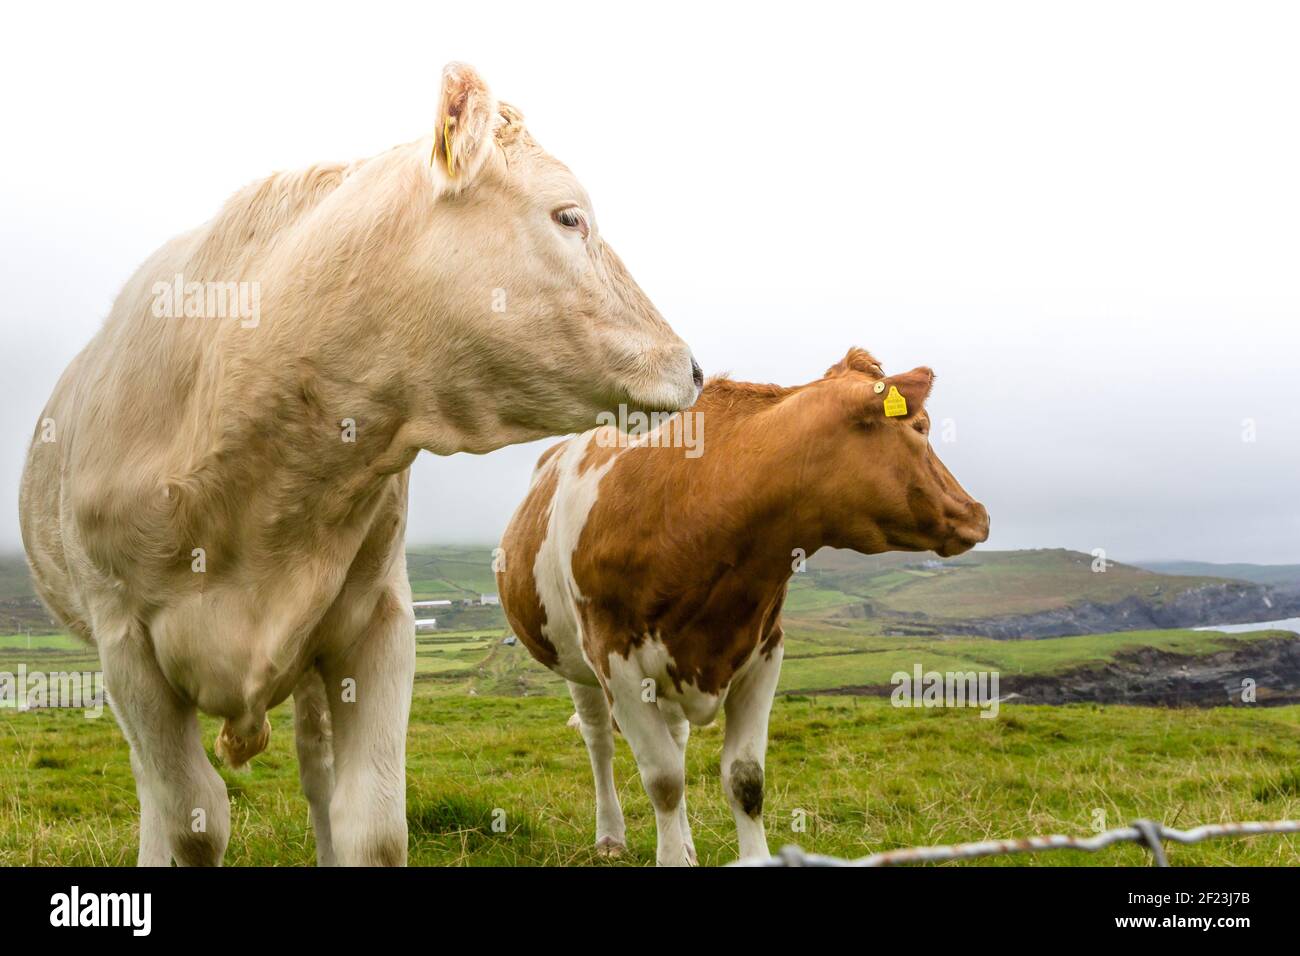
pixel 1085 220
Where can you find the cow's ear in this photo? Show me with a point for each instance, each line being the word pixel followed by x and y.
pixel 898 396
pixel 467 116
pixel 857 360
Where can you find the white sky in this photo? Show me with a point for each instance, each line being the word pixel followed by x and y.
pixel 1084 216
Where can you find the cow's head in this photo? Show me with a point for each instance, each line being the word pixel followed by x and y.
pixel 550 326
pixel 888 489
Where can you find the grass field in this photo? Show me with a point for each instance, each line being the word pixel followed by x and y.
pixel 822 661
pixel 488 734
pixel 862 775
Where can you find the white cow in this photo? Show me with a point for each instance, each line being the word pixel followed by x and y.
pixel 219 503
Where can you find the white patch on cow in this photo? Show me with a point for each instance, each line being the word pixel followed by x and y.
pixel 651 659
pixel 575 496
pixel 654 729
pixel 744 746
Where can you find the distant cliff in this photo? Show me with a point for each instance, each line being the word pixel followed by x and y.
pixel 1149 676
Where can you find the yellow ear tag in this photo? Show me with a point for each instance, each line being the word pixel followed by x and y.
pixel 895 403
pixel 446 147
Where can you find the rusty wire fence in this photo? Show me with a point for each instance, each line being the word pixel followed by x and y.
pixel 1147 833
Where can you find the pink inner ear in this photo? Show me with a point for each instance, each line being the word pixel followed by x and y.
pixel 916 384
pixel 464 127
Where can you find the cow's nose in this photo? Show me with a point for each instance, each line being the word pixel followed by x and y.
pixel 979 523
pixel 967 528
pixel 697 373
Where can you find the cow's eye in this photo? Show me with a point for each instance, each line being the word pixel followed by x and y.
pixel 571 217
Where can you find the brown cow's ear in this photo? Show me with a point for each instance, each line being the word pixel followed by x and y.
pixel 900 396
pixel 857 360
pixel 462 136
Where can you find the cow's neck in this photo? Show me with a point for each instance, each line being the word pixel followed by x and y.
pixel 762 504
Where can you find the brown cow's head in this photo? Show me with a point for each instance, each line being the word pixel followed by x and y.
pixel 888 490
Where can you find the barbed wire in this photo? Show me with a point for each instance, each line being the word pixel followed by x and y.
pixel 1147 833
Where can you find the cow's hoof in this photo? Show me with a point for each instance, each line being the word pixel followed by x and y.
pixel 609 848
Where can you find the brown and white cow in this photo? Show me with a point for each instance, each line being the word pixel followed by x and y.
pixel 652 578
pixel 219 503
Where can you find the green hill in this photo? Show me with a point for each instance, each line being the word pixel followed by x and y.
pixel 999 593
pixel 852 621
pixel 450 571
pixel 981 584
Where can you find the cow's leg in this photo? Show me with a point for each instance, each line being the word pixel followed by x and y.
pixel 663 772
pixel 154 850
pixel 680 728
pixel 184 810
pixel 598 732
pixel 313 736
pixel 744 749
pixel 369 691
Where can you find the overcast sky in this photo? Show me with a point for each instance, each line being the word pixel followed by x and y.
pixel 1085 219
